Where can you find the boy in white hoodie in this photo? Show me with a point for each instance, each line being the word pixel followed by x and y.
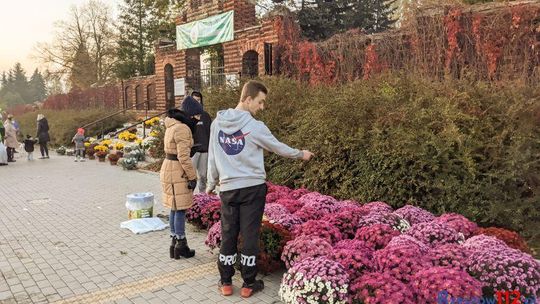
pixel 236 161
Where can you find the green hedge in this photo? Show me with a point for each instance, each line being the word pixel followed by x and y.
pixel 455 146
pixel 63 124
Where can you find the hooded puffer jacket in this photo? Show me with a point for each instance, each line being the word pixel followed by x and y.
pixel 174 175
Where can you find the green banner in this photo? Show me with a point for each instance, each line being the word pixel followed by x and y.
pixel 208 31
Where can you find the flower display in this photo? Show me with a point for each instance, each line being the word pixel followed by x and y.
pixel 210 214
pixel 345 221
pixel 273 238
pixel 274 211
pixel 376 236
pixel 298 193
pixel 307 213
pixel 152 121
pixel 61 150
pixel 511 238
pixel 506 269
pixel 194 214
pixel 353 244
pixel 315 280
pixel 355 262
pixel 319 201
pixel 292 205
pixel 350 205
pixel 127 136
pixel 303 247
pixel 409 241
pixel 400 261
pixel 277 188
pixel 319 228
pixel 106 142
pixel 443 283
pixel 391 219
pixel 119 146
pixel 434 234
pixel 213 238
pixel 273 196
pixel 479 243
pixel 101 148
pixel 101 154
pixel 450 255
pixel 380 288
pixel 128 163
pixel 288 221
pixel 459 223
pixel 379 207
pixel 414 215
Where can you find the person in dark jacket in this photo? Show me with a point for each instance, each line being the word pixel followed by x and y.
pixel 201 135
pixel 29 143
pixel 43 135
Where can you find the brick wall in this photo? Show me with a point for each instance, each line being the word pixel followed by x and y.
pixel 250 34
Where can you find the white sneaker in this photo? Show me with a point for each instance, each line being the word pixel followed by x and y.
pixel 83 160
pixel 76 160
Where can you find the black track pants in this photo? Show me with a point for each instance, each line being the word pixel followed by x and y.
pixel 241 212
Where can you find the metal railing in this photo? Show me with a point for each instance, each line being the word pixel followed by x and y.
pixel 122 111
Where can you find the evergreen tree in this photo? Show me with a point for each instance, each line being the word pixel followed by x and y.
pixel 20 82
pixel 320 19
pixel 83 72
pixel 37 86
pixel 133 46
pixel 4 80
pixel 141 22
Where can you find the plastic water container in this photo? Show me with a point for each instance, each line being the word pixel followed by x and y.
pixel 140 205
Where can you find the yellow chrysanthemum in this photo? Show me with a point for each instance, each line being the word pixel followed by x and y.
pixel 101 148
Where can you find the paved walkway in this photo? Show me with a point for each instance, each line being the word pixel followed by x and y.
pixel 60 241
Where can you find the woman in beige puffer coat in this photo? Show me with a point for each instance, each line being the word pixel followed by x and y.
pixel 178 179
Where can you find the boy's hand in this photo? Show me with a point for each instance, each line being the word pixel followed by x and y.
pixel 307 155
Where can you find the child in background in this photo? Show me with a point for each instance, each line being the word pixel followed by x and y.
pixel 78 139
pixel 29 143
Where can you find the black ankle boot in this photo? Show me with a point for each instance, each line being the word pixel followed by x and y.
pixel 181 249
pixel 171 248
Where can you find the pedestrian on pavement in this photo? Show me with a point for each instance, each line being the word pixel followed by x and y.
pixel 43 135
pixel 178 179
pixel 29 143
pixel 201 136
pixel 11 138
pixel 3 153
pixel 236 161
pixel 2 130
pixel 78 139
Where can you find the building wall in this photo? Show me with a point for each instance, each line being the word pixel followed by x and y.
pixel 250 34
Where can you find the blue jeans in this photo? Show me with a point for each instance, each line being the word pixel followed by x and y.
pixel 177 221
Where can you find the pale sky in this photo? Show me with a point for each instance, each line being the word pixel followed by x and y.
pixel 24 23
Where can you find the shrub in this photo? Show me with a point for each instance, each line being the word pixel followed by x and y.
pixel 444 146
pixel 63 124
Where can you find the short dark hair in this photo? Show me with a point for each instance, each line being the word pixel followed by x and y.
pixel 252 89
pixel 197 94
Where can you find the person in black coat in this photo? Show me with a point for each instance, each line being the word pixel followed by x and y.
pixel 201 136
pixel 43 135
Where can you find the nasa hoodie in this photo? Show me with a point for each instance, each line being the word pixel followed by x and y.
pixel 235 154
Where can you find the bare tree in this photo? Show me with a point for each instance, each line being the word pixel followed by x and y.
pixel 89 27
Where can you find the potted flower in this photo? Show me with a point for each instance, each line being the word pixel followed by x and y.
pixel 90 152
pixel 113 158
pixel 101 155
pixel 61 150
